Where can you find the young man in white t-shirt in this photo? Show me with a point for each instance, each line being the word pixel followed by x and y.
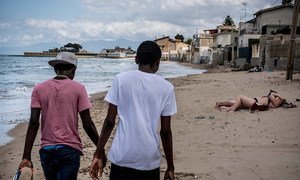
pixel 144 102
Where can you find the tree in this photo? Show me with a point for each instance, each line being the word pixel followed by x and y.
pixel 228 21
pixel 180 37
pixel 76 46
pixel 188 41
pixel 285 2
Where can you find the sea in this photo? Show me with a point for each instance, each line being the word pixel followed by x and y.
pixel 19 74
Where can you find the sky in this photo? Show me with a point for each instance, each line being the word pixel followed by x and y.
pixel 29 22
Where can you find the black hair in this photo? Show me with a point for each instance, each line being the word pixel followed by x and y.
pixel 64 67
pixel 148 53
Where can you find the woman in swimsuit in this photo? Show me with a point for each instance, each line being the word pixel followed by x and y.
pixel 273 100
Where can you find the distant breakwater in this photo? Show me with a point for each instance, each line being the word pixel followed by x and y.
pixel 53 54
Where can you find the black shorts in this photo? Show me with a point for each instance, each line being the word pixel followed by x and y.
pixel 124 173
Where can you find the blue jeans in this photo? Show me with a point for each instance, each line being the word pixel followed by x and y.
pixel 60 163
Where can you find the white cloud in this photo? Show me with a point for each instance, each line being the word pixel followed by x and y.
pixel 4 40
pixel 84 30
pixel 133 19
pixel 39 36
pixel 26 38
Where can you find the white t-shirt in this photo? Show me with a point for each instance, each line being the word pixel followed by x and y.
pixel 141 99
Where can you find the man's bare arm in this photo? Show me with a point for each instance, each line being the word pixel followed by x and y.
pixel 89 126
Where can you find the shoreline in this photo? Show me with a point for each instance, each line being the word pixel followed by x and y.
pixel 240 145
pixel 9 138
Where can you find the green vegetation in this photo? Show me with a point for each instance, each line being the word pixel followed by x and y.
pixel 228 21
pixel 179 37
pixel 284 2
pixel 76 46
pixel 188 41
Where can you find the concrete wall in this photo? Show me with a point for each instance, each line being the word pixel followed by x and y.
pixel 278 16
pixel 227 38
pixel 217 57
pixel 276 47
pixel 255 50
pixel 244 39
pixel 180 46
pixel 223 39
pixel 245 25
pixel 206 41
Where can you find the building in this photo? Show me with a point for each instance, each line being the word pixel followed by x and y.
pixel 269 21
pixel 226 35
pixel 117 52
pixel 166 45
pixel 227 39
pixel 203 45
pixel 181 50
pixel 172 50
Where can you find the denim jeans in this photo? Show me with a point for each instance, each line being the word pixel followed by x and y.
pixel 124 173
pixel 60 163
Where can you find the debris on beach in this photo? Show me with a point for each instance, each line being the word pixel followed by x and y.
pixel 200 117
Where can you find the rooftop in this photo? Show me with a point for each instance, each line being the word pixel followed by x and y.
pixel 274 8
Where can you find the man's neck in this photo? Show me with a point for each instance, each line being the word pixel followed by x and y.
pixel 147 69
pixel 61 76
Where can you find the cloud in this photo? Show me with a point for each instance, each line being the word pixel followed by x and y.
pixel 30 38
pixel 84 30
pixel 5 40
pixel 26 38
pixel 133 19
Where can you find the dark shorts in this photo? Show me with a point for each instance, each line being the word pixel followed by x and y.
pixel 124 173
pixel 60 163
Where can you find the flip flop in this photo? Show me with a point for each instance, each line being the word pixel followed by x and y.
pixel 17 174
pixel 23 174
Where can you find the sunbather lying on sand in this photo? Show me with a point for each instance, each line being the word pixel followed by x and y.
pixel 272 100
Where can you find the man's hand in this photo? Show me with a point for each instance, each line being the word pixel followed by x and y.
pixel 169 174
pixel 25 163
pixel 97 167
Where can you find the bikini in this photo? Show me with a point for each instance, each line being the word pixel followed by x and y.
pixel 255 106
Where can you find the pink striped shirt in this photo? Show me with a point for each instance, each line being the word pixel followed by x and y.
pixel 60 101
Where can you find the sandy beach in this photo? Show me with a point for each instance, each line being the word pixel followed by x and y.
pixel 209 144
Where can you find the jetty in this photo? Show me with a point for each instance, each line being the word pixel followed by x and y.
pixel 53 54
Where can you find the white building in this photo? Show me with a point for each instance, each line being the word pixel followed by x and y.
pixel 266 21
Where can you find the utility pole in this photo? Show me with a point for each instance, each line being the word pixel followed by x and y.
pixel 245 10
pixel 291 52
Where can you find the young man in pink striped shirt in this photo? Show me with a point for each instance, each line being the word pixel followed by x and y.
pixel 59 100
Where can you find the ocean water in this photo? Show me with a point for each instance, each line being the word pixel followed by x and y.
pixel 19 74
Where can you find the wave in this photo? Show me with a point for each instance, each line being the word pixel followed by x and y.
pixel 44 67
pixel 20 91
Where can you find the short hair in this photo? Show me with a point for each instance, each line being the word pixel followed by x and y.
pixel 148 53
pixel 64 67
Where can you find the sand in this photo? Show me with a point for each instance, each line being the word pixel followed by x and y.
pixel 209 144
